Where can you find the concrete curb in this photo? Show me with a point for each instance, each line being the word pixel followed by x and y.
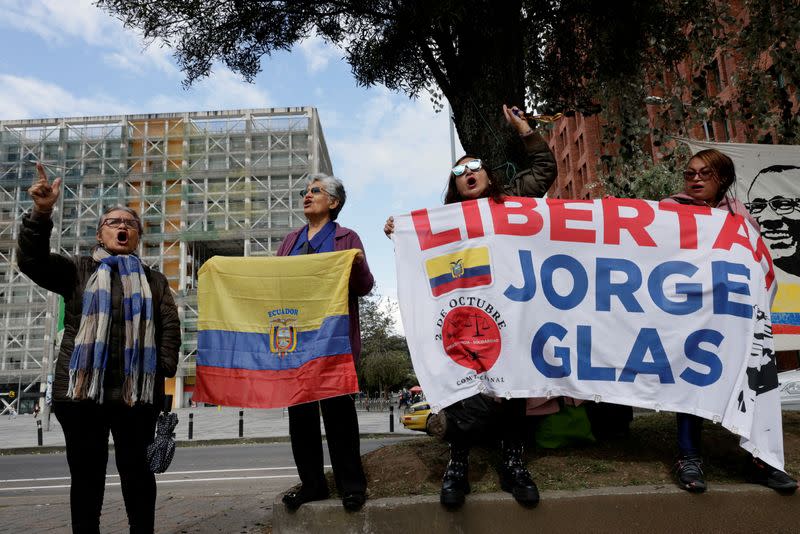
pixel 652 509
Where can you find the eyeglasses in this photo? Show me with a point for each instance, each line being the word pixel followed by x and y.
pixel 704 174
pixel 474 165
pixel 116 221
pixel 781 206
pixel 313 191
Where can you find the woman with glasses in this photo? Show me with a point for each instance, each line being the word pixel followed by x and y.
pixel 470 178
pixel 121 338
pixel 707 182
pixel 323 199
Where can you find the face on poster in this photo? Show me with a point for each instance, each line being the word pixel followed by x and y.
pixel 773 198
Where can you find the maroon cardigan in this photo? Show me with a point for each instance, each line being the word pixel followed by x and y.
pixel 361 280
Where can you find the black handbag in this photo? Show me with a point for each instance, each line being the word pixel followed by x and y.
pixel 162 450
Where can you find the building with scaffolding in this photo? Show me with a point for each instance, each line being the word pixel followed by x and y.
pixel 205 183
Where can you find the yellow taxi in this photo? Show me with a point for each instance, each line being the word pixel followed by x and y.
pixel 416 418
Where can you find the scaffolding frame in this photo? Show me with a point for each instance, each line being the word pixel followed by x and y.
pixel 204 183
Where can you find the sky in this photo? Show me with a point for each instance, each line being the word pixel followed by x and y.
pixel 68 58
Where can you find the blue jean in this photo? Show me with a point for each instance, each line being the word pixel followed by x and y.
pixel 689 431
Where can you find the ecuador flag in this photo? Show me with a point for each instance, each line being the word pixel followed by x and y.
pixel 274 332
pixel 459 270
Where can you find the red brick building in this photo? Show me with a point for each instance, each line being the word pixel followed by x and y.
pixel 576 141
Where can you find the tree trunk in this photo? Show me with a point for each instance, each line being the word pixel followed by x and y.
pixel 490 73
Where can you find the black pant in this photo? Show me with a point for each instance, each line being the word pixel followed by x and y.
pixel 341 431
pixel 86 426
pixel 513 421
pixel 481 418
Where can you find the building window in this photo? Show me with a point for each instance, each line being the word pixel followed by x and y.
pixel 714 68
pixel 708 129
pixel 723 71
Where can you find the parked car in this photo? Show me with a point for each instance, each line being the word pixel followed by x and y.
pixel 416 418
pixel 790 389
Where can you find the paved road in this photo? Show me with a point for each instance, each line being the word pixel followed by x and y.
pixel 207 489
pixel 208 423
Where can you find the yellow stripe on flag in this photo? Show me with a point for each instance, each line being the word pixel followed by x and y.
pixel 471 257
pixel 787 299
pixel 236 294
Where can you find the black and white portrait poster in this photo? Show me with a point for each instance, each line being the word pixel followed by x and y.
pixel 768 183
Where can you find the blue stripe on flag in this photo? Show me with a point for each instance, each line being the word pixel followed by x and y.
pixel 250 350
pixel 786 318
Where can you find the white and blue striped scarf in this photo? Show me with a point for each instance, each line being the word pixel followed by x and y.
pixel 88 362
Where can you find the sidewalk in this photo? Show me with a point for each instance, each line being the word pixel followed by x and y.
pixel 208 424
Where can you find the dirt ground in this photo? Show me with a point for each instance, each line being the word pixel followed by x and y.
pixel 644 455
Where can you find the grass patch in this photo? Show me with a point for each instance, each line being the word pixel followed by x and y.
pixel 643 457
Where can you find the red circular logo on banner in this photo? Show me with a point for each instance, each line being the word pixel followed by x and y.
pixel 471 338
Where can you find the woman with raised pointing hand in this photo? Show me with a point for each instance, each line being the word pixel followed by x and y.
pixel 121 338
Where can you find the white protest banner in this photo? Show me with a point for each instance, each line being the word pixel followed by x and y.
pixel 768 182
pixel 628 301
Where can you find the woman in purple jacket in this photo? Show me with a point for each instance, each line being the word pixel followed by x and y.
pixel 323 199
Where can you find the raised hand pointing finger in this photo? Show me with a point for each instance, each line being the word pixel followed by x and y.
pixel 43 193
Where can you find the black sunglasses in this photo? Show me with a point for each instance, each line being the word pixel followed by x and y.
pixel 313 191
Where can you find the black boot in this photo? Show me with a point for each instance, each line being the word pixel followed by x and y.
pixel 514 476
pixel 454 483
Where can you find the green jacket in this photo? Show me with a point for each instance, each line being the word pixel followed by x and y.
pixel 536 179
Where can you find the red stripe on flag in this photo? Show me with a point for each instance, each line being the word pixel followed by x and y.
pixel 785 329
pixel 321 378
pixel 462 283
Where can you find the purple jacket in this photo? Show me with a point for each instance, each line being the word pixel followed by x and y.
pixel 361 280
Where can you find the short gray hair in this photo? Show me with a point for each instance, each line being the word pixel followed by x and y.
pixel 126 209
pixel 333 186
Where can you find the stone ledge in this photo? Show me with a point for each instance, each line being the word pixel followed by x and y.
pixel 652 509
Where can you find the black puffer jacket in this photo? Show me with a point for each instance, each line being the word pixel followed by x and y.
pixel 68 277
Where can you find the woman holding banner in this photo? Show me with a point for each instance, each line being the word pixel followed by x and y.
pixel 323 199
pixel 470 178
pixel 121 338
pixel 707 182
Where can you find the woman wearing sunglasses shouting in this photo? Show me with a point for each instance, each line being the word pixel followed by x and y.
pixel 707 182
pixel 471 178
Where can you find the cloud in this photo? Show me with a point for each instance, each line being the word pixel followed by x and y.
pixel 222 90
pixel 57 20
pixel 399 144
pixel 318 53
pixel 60 21
pixel 25 98
pixel 137 57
